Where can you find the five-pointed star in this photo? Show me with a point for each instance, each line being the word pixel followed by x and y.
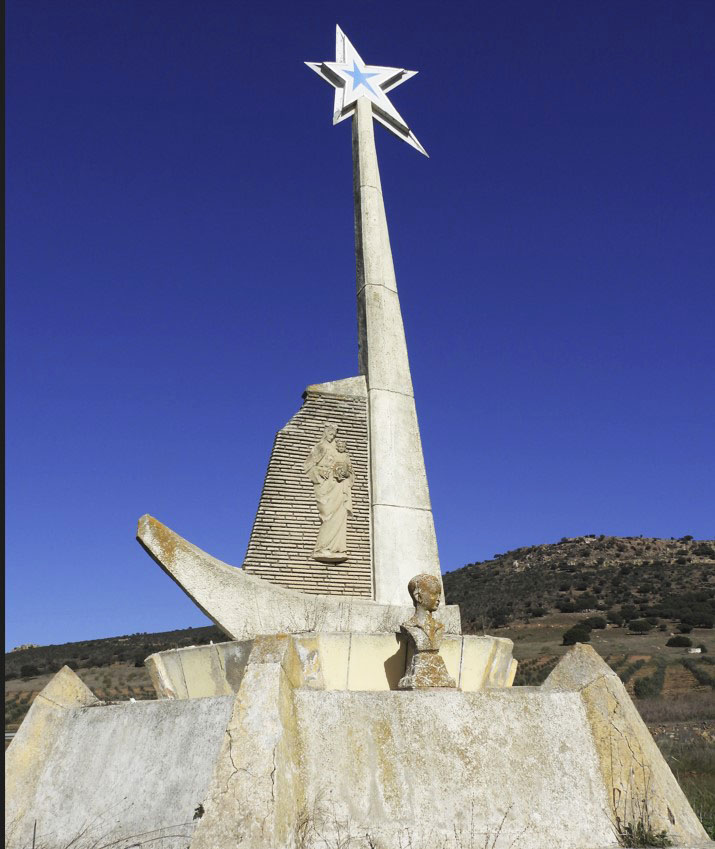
pixel 353 79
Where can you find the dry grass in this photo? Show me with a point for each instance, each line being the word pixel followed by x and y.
pixel 690 753
pixel 694 707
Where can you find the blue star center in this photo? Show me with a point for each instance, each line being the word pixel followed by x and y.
pixel 361 78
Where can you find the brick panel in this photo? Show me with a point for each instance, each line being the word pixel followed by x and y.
pixel 287 522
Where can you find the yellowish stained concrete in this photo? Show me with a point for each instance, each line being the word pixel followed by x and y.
pixel 370 662
pixel 640 785
pixel 300 760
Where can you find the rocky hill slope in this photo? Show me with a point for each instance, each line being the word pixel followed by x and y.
pixel 624 578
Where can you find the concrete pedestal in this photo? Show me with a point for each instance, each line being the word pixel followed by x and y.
pixel 289 758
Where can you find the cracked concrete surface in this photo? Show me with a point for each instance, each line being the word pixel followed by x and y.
pixel 283 765
pixel 639 782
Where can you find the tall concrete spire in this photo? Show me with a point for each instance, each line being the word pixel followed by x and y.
pixel 403 536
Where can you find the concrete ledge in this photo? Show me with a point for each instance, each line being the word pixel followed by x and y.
pixel 371 662
pixel 348 387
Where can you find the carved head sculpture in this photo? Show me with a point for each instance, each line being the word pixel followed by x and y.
pixel 426 591
pixel 330 431
pixel 341 445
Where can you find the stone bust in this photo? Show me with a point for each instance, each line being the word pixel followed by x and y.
pixel 425 633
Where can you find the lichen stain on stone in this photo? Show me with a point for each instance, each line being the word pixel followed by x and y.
pixel 165 540
pixel 385 756
pixel 357 746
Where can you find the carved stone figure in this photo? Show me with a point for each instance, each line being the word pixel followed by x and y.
pixel 330 471
pixel 425 634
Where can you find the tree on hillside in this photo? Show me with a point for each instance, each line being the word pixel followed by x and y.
pixel 577 634
pixel 679 642
pixel 640 626
pixel 595 623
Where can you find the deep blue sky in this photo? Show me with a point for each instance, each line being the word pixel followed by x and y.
pixel 180 265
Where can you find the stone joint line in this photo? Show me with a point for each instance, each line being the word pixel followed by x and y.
pixel 394 391
pixel 380 285
pixel 402 506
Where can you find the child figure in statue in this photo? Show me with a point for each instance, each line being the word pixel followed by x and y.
pixel 425 635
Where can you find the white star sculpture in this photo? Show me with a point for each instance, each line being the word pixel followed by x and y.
pixel 353 79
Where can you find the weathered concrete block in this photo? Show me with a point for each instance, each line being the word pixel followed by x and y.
pixel 476 662
pixel 196 672
pixel 334 652
pixel 32 746
pixel 408 546
pixel 639 782
pixel 256 795
pixel 389 366
pixel 397 452
pixel 287 763
pixel 444 768
pixel 110 774
pixel 377 661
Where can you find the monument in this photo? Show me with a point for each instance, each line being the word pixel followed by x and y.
pixel 346 708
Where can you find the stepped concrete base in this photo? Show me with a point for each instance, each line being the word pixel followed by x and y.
pixel 244 606
pixel 284 763
pixel 331 662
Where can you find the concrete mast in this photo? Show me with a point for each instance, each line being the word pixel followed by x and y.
pixel 403 535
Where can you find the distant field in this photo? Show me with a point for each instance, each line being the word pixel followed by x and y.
pixel 543 636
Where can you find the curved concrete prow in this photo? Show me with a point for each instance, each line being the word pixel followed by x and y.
pixel 244 606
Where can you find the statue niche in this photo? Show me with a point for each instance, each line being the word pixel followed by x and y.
pixel 330 471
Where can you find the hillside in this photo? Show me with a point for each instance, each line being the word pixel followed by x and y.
pixel 113 668
pixel 130 649
pixel 626 577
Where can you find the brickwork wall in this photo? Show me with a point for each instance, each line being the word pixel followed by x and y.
pixel 287 522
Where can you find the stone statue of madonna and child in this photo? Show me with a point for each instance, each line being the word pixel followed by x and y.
pixel 329 469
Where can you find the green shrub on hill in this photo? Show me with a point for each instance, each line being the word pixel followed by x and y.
pixel 615 617
pixel 679 642
pixel 651 685
pixel 701 674
pixel 577 634
pixel 629 671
